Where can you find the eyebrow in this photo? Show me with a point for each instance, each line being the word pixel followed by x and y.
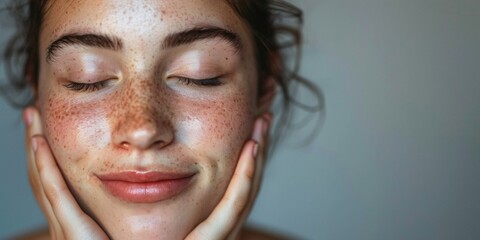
pixel 172 40
pixel 88 40
pixel 201 33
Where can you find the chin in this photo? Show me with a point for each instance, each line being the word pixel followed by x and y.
pixel 172 218
pixel 149 226
pixel 155 221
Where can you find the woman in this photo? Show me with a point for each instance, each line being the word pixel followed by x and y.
pixel 150 119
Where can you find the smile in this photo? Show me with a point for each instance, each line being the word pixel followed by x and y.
pixel 149 187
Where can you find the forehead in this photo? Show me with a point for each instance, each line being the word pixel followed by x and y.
pixel 144 20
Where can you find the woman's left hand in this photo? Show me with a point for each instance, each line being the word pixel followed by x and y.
pixel 228 217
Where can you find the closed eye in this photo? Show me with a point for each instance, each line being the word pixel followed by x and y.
pixel 210 82
pixel 85 87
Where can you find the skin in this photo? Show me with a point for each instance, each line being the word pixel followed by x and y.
pixel 146 118
pixel 68 221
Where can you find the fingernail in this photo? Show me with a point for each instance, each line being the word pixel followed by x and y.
pixel 34 144
pixel 28 117
pixel 255 150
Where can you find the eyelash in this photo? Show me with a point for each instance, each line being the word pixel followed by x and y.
pixel 85 87
pixel 210 82
pixel 90 87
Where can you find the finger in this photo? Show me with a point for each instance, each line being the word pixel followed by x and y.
pixel 225 217
pixel 73 221
pixel 227 213
pixel 262 135
pixel 33 127
pixel 263 143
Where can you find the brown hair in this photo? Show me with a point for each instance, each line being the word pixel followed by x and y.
pixel 275 25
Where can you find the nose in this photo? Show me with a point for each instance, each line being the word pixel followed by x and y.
pixel 142 124
pixel 143 135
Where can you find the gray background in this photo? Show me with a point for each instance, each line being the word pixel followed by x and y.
pixel 398 156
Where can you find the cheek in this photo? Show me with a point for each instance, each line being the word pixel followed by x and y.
pixel 218 134
pixel 73 131
pixel 218 127
pixel 232 124
pixel 59 125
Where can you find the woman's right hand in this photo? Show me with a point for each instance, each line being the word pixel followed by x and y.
pixel 66 220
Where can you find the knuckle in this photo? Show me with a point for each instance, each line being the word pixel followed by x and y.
pixel 250 174
pixel 238 207
pixel 34 184
pixel 54 193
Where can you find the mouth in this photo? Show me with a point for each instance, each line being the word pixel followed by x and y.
pixel 146 187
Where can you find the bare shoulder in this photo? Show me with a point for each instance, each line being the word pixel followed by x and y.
pixel 39 234
pixel 252 233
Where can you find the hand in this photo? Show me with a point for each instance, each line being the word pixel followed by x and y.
pixel 228 217
pixel 67 220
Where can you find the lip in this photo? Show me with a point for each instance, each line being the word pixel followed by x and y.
pixel 146 187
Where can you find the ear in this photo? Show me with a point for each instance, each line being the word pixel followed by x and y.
pixel 268 84
pixel 265 99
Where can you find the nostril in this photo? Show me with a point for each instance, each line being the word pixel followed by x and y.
pixel 159 143
pixel 125 145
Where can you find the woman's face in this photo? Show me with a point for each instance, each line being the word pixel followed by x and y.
pixel 146 106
